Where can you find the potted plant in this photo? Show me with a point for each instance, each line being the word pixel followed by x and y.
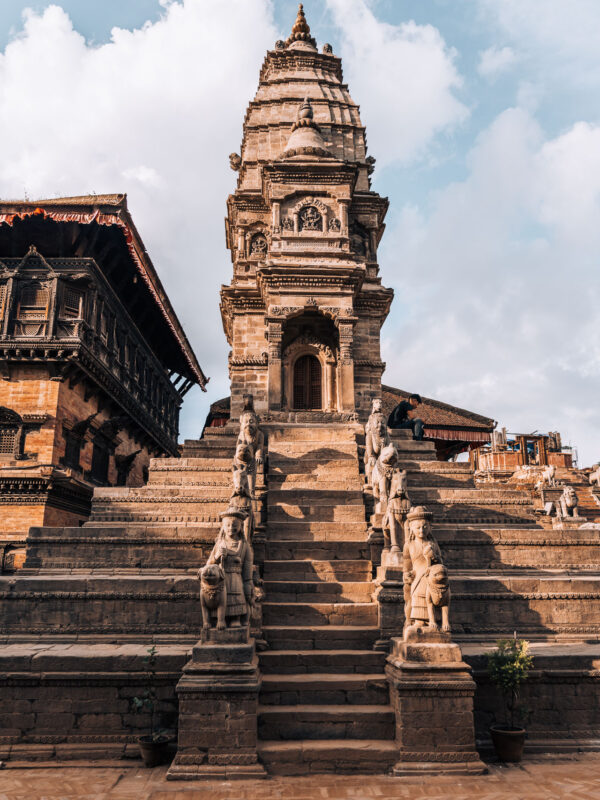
pixel 153 745
pixel 508 667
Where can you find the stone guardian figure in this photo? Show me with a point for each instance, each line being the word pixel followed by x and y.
pixel 376 437
pixel 233 555
pixel 252 437
pixel 398 506
pixel 426 587
pixel 382 476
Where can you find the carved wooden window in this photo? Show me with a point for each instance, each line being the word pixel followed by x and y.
pixel 104 326
pixel 33 302
pixel 310 219
pixel 72 303
pixel 2 299
pixel 100 460
pixel 73 444
pixel 8 439
pixel 307 383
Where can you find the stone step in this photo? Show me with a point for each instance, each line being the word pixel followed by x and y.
pixel 316 495
pixel 314 531
pixel 472 496
pixel 308 550
pixel 312 433
pixel 326 722
pixel 324 689
pixel 325 482
pixel 104 495
pixel 321 570
pixel 330 468
pixel 324 637
pixel 318 591
pixel 306 661
pixel 315 512
pixel 209 449
pixel 341 756
pixel 311 614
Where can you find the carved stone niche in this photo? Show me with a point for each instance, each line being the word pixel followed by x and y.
pixel 309 216
pixel 327 358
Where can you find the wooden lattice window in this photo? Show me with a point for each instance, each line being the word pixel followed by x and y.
pixel 33 302
pixel 72 303
pixel 8 439
pixel 307 383
pixel 2 299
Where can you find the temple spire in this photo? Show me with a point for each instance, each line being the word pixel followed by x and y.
pixel 306 138
pixel 300 37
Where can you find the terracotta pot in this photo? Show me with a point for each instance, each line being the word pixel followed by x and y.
pixel 154 751
pixel 508 742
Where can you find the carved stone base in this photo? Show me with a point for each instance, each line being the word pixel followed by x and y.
pixel 218 699
pixel 432 692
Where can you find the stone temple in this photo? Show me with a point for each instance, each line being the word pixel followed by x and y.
pixel 320 591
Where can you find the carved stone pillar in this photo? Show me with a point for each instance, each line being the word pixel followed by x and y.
pixel 276 217
pixel 296 219
pixel 344 216
pixel 240 244
pixel 330 383
pixel 346 334
pixel 274 337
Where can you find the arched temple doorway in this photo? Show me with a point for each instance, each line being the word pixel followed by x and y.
pixel 307 383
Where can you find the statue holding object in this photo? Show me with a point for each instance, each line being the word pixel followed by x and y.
pixel 376 438
pixel 381 476
pixel 226 582
pixel 398 506
pixel 241 499
pixel 426 586
pixel 250 436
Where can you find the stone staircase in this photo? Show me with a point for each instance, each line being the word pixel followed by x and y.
pixel 324 701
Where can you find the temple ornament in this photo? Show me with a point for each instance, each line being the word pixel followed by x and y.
pixel 376 437
pixel 398 506
pixel 381 476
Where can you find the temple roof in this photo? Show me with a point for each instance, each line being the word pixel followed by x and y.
pixel 436 414
pixel 293 74
pixel 97 217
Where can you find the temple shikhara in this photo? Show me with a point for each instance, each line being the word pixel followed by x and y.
pixel 303 588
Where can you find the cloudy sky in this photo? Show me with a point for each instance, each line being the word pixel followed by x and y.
pixel 483 116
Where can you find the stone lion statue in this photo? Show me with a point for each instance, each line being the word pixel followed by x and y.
pixel 437 597
pixel 567 503
pixel 213 595
pixel 547 477
pixel 595 476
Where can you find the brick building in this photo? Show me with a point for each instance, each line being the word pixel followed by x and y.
pixel 94 361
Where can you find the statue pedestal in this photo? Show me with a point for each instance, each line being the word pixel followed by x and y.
pixel 218 699
pixel 390 601
pixel 432 690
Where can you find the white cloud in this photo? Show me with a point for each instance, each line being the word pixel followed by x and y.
pixel 154 112
pixel 495 60
pixel 510 321
pixel 559 36
pixel 403 77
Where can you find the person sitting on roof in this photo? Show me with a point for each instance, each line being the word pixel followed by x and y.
pixel 399 417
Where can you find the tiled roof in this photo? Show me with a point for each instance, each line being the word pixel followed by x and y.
pixel 436 414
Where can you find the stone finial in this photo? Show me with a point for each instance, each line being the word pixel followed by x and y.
pixel 306 138
pixel 301 32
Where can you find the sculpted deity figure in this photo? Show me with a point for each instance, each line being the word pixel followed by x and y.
pixel 567 504
pixel 381 477
pixel 228 595
pixel 394 518
pixel 426 587
pixel 547 478
pixel 376 437
pixel 241 499
pixel 251 437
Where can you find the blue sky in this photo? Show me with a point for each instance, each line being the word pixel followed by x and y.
pixel 484 119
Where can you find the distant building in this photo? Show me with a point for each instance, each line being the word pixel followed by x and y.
pixel 94 362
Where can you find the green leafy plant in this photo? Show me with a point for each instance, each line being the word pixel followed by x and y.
pixel 508 667
pixel 147 700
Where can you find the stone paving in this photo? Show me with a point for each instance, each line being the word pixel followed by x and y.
pixel 576 777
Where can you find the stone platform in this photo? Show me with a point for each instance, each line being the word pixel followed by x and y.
pixel 76 622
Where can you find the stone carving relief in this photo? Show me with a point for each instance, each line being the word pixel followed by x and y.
pixel 287 224
pixel 309 219
pixel 567 505
pixel 305 341
pixel 376 438
pixel 426 586
pixel 258 245
pixel 327 49
pixel 334 225
pixel 235 162
pixel 547 477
